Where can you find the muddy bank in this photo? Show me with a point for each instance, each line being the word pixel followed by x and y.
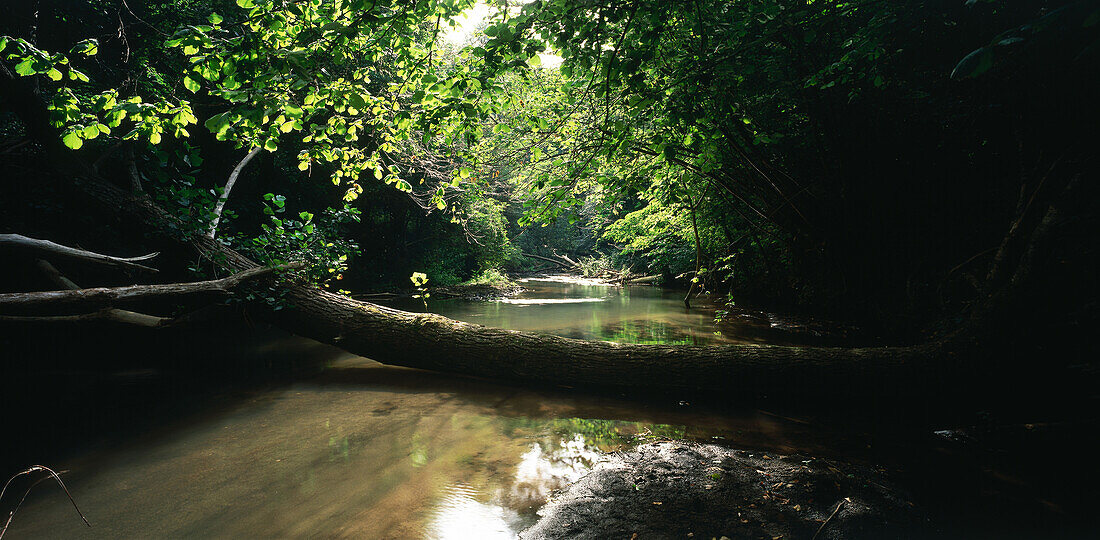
pixel 682 490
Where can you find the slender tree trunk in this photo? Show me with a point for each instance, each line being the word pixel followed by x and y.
pixel 220 206
pixel 698 259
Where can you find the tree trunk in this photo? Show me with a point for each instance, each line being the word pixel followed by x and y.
pixel 429 341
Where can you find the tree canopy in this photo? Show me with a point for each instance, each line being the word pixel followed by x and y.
pixel 828 154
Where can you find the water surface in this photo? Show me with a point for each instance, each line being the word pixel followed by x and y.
pixel 369 451
pixel 590 309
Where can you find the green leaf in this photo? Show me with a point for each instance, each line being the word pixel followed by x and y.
pixel 191 84
pixel 91 132
pixel 245 3
pixel 271 145
pixel 214 18
pixel 54 74
pixel 72 140
pixel 88 47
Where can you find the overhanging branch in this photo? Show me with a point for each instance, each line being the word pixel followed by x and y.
pixel 105 296
pixel 45 246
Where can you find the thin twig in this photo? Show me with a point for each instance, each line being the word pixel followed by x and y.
pixel 32 469
pixel 831 516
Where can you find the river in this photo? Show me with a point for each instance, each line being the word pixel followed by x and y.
pixel 368 451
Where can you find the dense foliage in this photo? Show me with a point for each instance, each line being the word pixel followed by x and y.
pixel 855 158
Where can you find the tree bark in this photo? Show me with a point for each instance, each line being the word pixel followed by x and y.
pixel 108 314
pixel 429 341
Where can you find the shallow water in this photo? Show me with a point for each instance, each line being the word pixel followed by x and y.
pixel 589 309
pixel 369 451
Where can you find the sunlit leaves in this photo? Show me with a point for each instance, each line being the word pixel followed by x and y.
pixel 88 47
pixel 191 84
pixel 72 140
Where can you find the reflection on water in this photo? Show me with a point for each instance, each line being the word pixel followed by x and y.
pixel 459 515
pixel 368 452
pixel 588 309
pixel 511 507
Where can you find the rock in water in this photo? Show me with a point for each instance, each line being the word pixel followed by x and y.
pixel 676 489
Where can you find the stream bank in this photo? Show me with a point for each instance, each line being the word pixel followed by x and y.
pixel 677 489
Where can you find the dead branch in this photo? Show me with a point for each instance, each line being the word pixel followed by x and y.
pixel 109 314
pixel 18 240
pixel 563 264
pixel 101 296
pixel 56 477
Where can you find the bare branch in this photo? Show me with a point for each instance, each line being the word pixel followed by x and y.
pixel 110 314
pixel 46 246
pixel 109 295
pixel 56 477
pixel 564 264
pixel 220 205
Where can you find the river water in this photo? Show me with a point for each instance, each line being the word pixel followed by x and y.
pixel 368 451
pixel 590 309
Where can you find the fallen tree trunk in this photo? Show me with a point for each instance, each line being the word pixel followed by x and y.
pixel 434 342
pixel 106 314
